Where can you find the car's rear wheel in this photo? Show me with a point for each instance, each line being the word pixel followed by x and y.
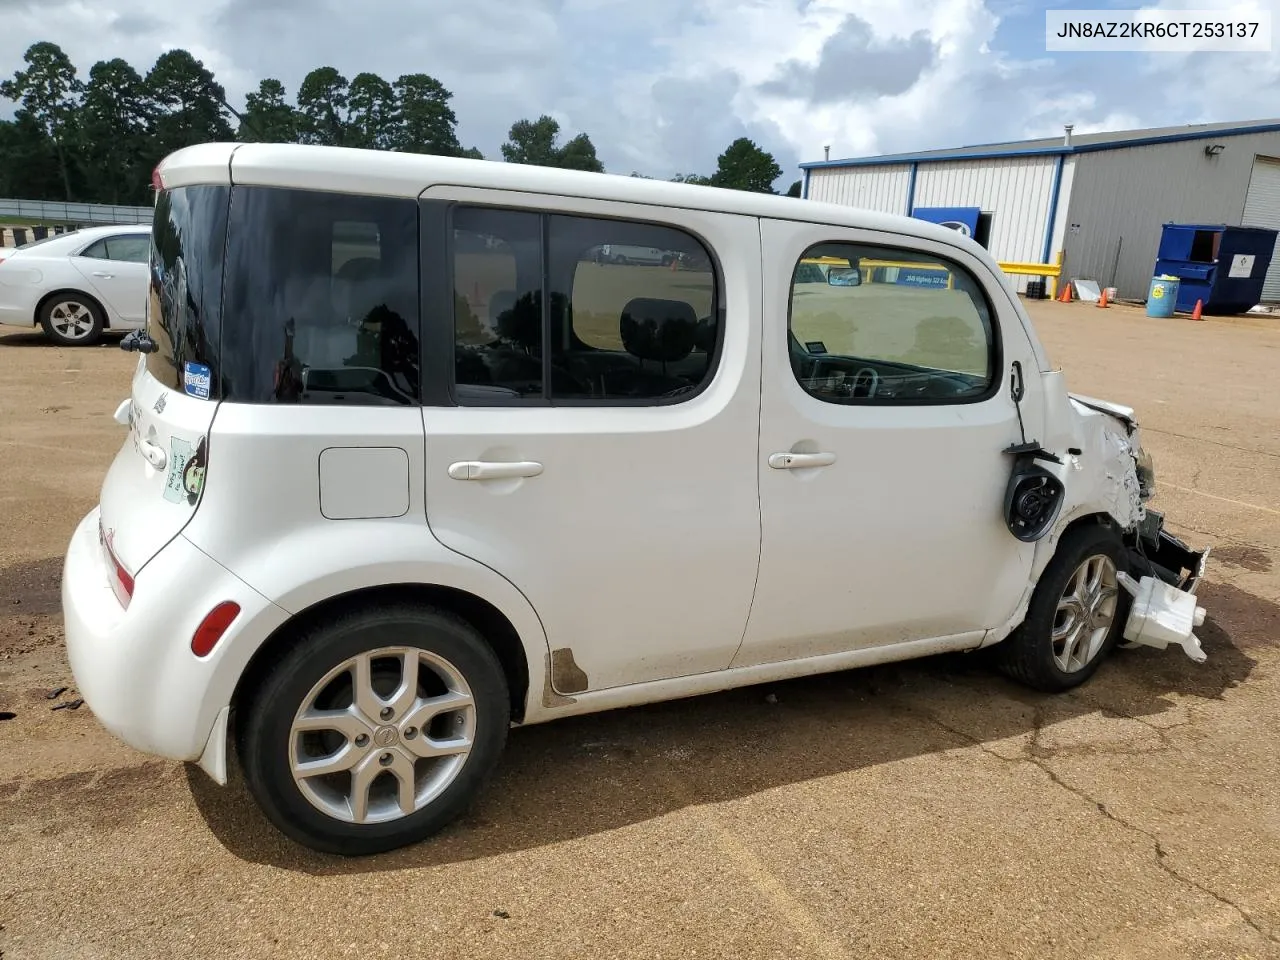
pixel 375 729
pixel 1076 614
pixel 72 320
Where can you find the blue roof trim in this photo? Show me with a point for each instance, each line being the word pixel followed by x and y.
pixel 902 159
pixel 959 154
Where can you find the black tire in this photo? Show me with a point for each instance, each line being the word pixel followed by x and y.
pixel 263 733
pixel 62 301
pixel 1027 655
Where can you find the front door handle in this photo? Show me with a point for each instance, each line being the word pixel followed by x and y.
pixel 493 470
pixel 104 276
pixel 798 461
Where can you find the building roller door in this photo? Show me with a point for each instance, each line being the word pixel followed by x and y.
pixel 1262 209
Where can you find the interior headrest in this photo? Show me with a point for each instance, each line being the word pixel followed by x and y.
pixel 662 330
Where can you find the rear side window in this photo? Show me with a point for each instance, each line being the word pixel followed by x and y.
pixel 879 325
pixel 562 309
pixel 321 298
pixel 129 248
pixel 184 302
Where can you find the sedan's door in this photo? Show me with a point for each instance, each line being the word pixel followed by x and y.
pixel 597 447
pixel 885 406
pixel 116 268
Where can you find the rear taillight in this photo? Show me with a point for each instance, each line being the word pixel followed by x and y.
pixel 213 626
pixel 121 580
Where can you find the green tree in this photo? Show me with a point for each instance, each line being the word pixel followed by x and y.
pixel 190 105
pixel 472 153
pixel 580 154
pixel 49 92
pixel 116 131
pixel 268 116
pixel 795 189
pixel 695 178
pixel 29 168
pixel 744 166
pixel 427 122
pixel 322 107
pixel 373 113
pixel 534 142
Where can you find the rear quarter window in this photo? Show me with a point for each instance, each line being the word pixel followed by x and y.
pixel 184 300
pixel 321 297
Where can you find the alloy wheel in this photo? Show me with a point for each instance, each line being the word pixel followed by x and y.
pixel 72 319
pixel 1085 613
pixel 382 735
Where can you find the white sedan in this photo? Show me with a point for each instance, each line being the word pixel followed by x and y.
pixel 75 285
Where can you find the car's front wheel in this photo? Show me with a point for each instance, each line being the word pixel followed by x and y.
pixel 375 729
pixel 72 320
pixel 1076 614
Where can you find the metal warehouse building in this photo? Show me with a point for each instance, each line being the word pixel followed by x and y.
pixel 1098 201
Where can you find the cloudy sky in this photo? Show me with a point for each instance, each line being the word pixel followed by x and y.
pixel 662 86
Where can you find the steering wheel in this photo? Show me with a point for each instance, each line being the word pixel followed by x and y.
pixel 869 377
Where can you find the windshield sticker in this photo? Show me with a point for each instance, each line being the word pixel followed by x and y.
pixel 179 455
pixel 196 379
pixel 193 474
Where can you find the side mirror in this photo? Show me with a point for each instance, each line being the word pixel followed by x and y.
pixel 844 277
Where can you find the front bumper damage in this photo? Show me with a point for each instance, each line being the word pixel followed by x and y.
pixel 1165 572
pixel 1164 598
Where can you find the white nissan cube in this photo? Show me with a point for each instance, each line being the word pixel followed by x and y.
pixel 409 461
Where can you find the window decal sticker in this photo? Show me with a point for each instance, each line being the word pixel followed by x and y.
pixel 196 379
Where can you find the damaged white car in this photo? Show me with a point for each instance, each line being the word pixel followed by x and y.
pixel 409 461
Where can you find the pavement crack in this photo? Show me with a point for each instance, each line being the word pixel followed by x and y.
pixel 1216 443
pixel 1161 855
pixel 1038 757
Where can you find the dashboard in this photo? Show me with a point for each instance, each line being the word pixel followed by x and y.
pixel 836 378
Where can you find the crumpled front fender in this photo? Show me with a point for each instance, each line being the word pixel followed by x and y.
pixel 1105 472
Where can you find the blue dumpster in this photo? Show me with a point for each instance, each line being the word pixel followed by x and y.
pixel 1162 296
pixel 1221 266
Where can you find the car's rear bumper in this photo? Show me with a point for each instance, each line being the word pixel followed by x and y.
pixel 11 316
pixel 134 667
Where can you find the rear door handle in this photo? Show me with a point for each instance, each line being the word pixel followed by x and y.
pixel 104 276
pixel 154 453
pixel 797 461
pixel 493 470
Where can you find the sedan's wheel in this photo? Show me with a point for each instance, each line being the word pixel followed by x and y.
pixel 1076 614
pixel 72 321
pixel 375 730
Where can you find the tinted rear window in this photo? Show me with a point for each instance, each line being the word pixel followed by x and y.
pixel 184 303
pixel 321 298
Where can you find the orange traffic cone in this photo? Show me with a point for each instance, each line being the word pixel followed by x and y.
pixel 1102 300
pixel 1065 295
pixel 1195 314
